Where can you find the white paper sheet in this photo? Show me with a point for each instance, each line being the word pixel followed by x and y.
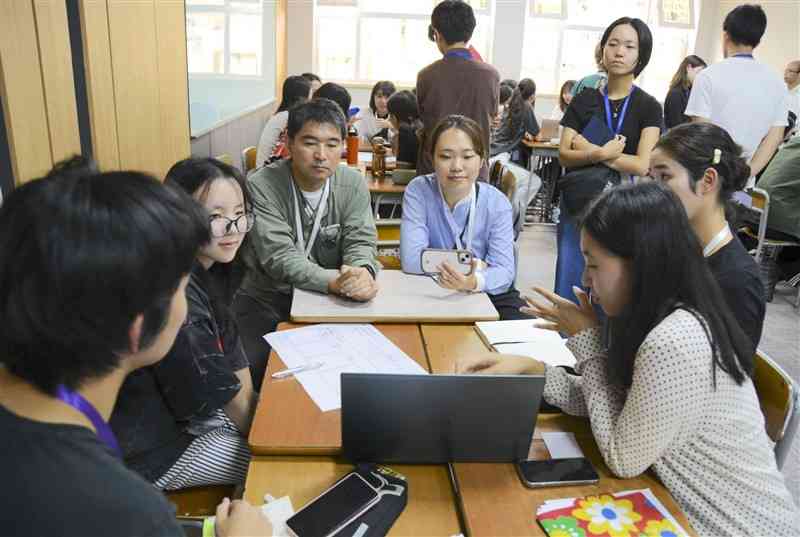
pixel 341 348
pixel 550 352
pixel 562 445
pixel 366 157
pixel 522 331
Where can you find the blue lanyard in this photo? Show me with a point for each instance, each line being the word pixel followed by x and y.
pixel 743 55
pixel 459 53
pixel 77 401
pixel 618 129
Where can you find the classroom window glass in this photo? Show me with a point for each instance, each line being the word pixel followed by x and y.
pixel 364 41
pixel 560 49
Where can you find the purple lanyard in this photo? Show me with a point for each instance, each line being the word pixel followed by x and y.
pixel 76 401
pixel 460 53
pixel 618 129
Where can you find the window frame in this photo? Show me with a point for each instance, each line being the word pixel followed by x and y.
pixel 359 82
pixel 227 10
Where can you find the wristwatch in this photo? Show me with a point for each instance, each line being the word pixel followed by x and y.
pixel 370 270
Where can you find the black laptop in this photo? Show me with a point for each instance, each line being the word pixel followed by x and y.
pixel 424 419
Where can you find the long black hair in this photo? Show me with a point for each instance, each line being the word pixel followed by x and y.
pixel 519 103
pixel 295 90
pixel 195 175
pixel 646 225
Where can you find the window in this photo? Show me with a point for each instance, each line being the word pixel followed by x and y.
pixel 561 36
pixel 224 37
pixel 364 41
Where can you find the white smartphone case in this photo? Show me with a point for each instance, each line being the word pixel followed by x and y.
pixel 432 258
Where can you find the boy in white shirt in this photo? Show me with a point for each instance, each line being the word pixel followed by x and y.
pixel 743 96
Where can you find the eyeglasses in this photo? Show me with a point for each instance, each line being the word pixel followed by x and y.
pixel 222 225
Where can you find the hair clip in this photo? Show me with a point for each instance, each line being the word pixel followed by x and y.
pixel 717 156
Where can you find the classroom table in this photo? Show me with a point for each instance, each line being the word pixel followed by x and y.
pixel 288 422
pixel 383 185
pixel 493 500
pixel 402 298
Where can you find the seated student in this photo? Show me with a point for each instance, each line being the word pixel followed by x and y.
pixel 519 122
pixel 702 164
pixel 337 94
pixel 314 231
pixel 314 80
pixel 272 144
pixel 564 98
pixel 505 95
pixel 375 120
pixel 673 391
pixel 596 80
pixel 449 209
pixel 404 118
pixel 183 421
pixel 679 90
pixel 77 317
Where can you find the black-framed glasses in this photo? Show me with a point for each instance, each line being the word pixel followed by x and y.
pixel 222 225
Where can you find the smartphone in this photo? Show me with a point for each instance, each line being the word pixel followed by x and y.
pixel 460 260
pixel 557 472
pixel 334 509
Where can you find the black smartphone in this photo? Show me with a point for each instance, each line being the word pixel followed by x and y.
pixel 334 509
pixel 556 472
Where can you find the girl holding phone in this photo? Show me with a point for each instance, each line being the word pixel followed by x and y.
pixel 448 209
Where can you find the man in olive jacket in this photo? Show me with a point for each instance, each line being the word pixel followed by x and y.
pixel 314 229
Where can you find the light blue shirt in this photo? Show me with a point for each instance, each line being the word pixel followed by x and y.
pixel 426 224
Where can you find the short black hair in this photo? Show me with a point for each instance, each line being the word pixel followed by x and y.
pixel 403 106
pixel 454 20
pixel 510 82
pixel 645 40
pixel 318 110
pixel 91 252
pixel 311 77
pixel 746 24
pixel 337 94
pixel 295 89
pixel 505 93
pixel 387 89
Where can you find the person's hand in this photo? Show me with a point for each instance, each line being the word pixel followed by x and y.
pixel 499 364
pixel 529 137
pixel 450 278
pixel 613 148
pixel 562 315
pixel 240 519
pixel 356 283
pixel 496 120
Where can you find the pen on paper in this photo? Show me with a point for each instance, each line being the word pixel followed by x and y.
pixel 294 370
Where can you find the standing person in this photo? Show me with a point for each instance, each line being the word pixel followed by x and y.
pixel 404 118
pixel 621 111
pixel 449 209
pixel 94 292
pixel 375 120
pixel 673 391
pixel 456 84
pixel 743 96
pixel 315 229
pixel 519 122
pixel 272 144
pixel 704 167
pixel 184 421
pixel 791 75
pixel 679 90
pixel 595 80
pixel 564 98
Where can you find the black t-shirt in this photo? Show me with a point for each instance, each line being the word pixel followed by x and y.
pixel 61 480
pixel 675 106
pixel 740 281
pixel 643 111
pixel 408 144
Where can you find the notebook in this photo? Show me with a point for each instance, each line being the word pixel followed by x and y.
pixel 631 512
pixel 524 338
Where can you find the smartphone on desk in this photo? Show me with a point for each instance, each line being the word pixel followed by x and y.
pixel 556 472
pixel 432 258
pixel 334 509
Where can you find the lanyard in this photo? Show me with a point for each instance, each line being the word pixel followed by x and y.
pixel 720 237
pixel 621 114
pixel 470 219
pixel 76 401
pixel 298 225
pixel 743 56
pixel 459 53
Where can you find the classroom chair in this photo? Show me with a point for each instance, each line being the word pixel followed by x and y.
pixel 389 243
pixel 779 397
pixel 199 502
pixel 766 249
pixel 249 159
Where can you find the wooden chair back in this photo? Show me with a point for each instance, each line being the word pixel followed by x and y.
pixel 778 398
pixel 249 159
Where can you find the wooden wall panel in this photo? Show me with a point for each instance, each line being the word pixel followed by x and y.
pixel 281 45
pixel 100 83
pixel 22 92
pixel 59 84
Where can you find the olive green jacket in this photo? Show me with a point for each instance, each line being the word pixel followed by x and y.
pixel 781 180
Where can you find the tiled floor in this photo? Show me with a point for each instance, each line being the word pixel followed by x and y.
pixel 780 340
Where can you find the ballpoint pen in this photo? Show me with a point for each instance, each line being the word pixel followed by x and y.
pixel 294 370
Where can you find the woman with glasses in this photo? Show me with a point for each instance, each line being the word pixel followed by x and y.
pixel 183 422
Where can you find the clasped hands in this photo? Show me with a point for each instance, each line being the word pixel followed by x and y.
pixel 355 283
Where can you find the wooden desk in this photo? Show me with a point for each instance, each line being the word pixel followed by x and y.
pixel 542 149
pixel 402 298
pixel 383 185
pixel 431 508
pixel 493 500
pixel 288 422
